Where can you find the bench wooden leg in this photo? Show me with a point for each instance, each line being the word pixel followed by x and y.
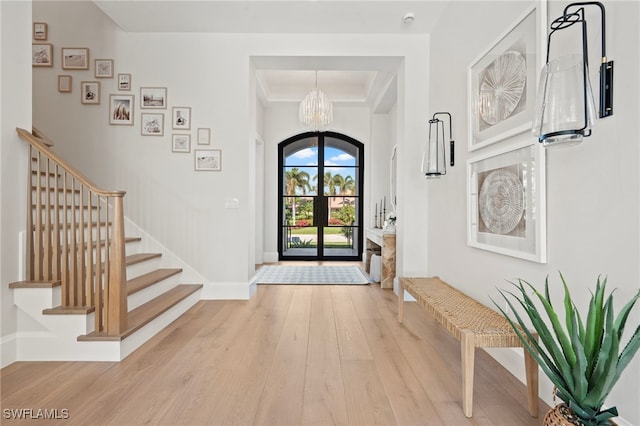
pixel 531 368
pixel 468 351
pixel 400 301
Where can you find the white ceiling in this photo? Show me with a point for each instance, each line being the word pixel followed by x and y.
pixel 365 79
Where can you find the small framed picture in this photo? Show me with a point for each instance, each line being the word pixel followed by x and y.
pixel 42 54
pixel 121 109
pixel 181 143
pixel 204 136
pixel 64 83
pixel 40 31
pixel 104 68
pixel 208 159
pixel 90 92
pixel 124 82
pixel 153 97
pixel 152 124
pixel 75 58
pixel 181 118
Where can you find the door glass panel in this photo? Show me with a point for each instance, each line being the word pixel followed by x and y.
pixel 300 233
pixel 341 211
pixel 340 241
pixel 303 152
pixel 300 181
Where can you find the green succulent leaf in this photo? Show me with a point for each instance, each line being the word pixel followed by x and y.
pixel 584 361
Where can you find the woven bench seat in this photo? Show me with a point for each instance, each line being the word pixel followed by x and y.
pixel 474 325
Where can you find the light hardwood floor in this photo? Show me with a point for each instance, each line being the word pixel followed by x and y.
pixel 293 355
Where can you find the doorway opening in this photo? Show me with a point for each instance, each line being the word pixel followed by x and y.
pixel 320 203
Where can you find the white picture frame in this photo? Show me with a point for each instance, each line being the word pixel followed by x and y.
pixel 121 109
pixel 180 143
pixel 152 124
pixel 181 118
pixel 511 62
pixel 103 68
pixel 204 136
pixel 124 82
pixel 207 159
pixel 65 83
pixel 90 92
pixel 506 201
pixel 75 58
pixel 153 97
pixel 42 54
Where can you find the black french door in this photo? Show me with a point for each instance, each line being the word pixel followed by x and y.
pixel 320 203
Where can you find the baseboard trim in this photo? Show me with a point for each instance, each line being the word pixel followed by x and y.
pixel 270 257
pixel 8 349
pixel 228 291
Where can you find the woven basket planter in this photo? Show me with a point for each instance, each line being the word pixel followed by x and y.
pixel 561 415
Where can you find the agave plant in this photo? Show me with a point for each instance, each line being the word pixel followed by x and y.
pixel 582 359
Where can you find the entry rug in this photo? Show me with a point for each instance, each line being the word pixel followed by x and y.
pixel 310 275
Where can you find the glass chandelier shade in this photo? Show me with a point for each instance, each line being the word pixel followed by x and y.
pixel 316 110
pixel 565 107
pixel 433 158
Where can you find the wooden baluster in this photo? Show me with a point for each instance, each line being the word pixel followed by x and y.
pixel 30 245
pixel 37 231
pixel 83 227
pixel 46 212
pixel 65 241
pixel 98 295
pixel 55 272
pixel 74 247
pixel 90 258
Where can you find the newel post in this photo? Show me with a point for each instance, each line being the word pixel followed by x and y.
pixel 117 297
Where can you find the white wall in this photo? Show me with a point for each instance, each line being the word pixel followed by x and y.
pixel 213 74
pixel 15 106
pixel 593 190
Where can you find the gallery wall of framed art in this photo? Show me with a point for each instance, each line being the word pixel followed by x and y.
pixel 121 108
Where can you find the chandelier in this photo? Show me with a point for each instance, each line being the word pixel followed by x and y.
pixel 316 110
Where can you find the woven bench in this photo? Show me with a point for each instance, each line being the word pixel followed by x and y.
pixel 474 325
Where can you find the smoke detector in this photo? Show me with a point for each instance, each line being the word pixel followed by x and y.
pixel 408 18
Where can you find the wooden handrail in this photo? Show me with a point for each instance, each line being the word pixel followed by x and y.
pixel 34 141
pixel 77 236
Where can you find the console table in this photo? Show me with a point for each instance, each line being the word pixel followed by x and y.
pixel 387 242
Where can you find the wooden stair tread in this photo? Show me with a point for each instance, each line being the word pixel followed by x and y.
pixel 132 259
pixel 35 284
pixel 146 280
pixel 144 314
pixel 69 310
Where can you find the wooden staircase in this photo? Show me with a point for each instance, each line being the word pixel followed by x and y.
pixel 80 262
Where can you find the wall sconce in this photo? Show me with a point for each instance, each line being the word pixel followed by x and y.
pixel 433 158
pixel 565 110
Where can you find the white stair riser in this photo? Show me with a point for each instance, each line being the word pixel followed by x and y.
pixel 141 268
pixel 141 336
pixel 143 296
